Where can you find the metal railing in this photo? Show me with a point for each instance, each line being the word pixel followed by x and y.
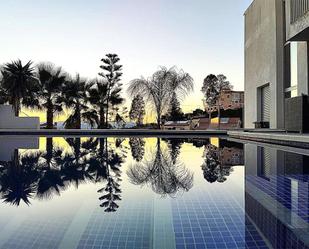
pixel 298 9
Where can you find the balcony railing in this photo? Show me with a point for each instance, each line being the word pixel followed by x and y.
pixel 298 9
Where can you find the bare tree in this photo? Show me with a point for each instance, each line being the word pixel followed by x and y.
pixel 159 88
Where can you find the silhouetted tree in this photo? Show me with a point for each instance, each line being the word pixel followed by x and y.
pixel 159 88
pixel 174 111
pixel 98 96
pixel 137 111
pixel 19 85
pixel 75 97
pixel 51 81
pixel 112 76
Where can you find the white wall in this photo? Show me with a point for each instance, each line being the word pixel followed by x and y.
pixel 9 121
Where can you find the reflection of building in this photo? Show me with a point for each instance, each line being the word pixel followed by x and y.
pixel 9 144
pixel 231 156
pixel 227 155
pixel 276 58
pixel 277 195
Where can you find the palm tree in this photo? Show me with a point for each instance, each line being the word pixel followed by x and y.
pixel 51 81
pixel 75 97
pixel 20 85
pixel 98 97
pixel 159 88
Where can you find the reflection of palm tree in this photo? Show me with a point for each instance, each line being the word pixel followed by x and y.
pixel 212 169
pixel 50 181
pixel 137 148
pixel 74 165
pixel 164 176
pixel 18 178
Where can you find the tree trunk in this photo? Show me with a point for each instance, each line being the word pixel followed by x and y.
pixel 219 117
pixel 159 122
pixel 49 150
pixel 50 118
pixel 102 118
pixel 78 117
pixel 16 107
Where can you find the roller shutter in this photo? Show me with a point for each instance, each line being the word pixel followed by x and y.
pixel 265 101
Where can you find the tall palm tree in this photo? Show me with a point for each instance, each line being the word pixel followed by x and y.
pixel 20 85
pixel 159 88
pixel 98 97
pixel 75 97
pixel 52 80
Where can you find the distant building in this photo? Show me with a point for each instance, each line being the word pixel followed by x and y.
pixel 228 100
pixel 177 125
pixel 276 58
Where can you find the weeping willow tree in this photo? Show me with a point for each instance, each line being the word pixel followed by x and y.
pixel 160 87
pixel 165 177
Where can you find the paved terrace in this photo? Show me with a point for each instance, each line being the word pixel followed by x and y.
pixel 272 137
pixel 114 132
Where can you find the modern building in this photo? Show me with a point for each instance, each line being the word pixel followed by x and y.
pixel 276 58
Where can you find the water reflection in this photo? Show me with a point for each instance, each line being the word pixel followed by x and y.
pixel 44 173
pixel 219 161
pixel 276 194
pixel 163 172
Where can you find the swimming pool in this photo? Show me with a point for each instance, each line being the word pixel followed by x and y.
pixel 151 193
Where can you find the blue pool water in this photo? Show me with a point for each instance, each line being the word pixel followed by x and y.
pixel 151 193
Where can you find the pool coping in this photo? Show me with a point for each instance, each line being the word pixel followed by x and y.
pixel 279 138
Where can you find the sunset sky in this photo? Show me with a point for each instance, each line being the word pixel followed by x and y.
pixel 199 36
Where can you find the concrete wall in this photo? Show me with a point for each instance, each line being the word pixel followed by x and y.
pixel 9 121
pixel 302 68
pixel 264 39
pixel 298 30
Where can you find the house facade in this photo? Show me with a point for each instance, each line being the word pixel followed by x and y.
pixel 276 58
pixel 228 100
